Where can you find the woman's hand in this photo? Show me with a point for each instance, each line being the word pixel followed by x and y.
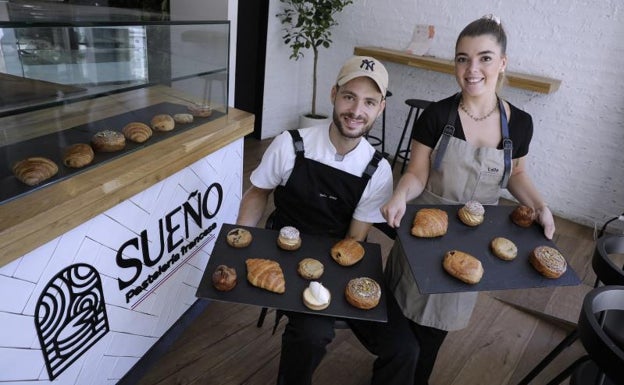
pixel 394 210
pixel 545 218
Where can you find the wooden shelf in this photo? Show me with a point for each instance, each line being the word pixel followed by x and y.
pixel 535 83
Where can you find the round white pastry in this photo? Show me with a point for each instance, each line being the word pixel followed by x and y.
pixel 316 296
pixel 288 238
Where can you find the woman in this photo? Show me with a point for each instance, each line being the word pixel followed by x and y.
pixel 485 152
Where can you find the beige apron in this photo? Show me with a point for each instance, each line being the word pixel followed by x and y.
pixel 466 173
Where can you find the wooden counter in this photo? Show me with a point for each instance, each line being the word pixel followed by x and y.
pixel 535 83
pixel 38 217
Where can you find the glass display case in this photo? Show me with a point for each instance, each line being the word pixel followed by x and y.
pixel 63 84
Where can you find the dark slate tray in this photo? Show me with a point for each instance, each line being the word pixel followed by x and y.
pixel 264 245
pixel 425 255
pixel 52 145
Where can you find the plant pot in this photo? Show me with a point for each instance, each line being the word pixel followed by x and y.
pixel 313 120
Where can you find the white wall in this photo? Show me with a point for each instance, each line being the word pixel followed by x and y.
pixel 576 156
pixel 211 10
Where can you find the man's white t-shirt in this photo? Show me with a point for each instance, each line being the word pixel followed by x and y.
pixel 279 159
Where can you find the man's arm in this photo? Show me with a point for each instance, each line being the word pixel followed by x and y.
pixel 358 230
pixel 252 206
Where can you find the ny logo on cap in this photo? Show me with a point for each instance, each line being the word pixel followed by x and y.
pixel 367 65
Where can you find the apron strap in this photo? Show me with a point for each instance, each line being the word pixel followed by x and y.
pixel 297 142
pixel 507 144
pixel 372 166
pixel 448 132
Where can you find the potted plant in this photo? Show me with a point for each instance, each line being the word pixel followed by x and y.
pixel 307 25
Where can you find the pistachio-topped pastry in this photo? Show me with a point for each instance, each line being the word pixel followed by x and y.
pixel 363 292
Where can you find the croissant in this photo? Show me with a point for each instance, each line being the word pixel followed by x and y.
pixel 78 155
pixel 34 170
pixel 137 132
pixel 430 223
pixel 266 274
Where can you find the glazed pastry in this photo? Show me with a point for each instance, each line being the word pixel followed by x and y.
pixel 310 268
pixel 472 213
pixel 503 248
pixel 238 237
pixel 137 132
pixel 78 155
pixel 266 274
pixel 430 223
pixel 463 266
pixel 347 252
pixel 523 216
pixel 183 118
pixel 289 238
pixel 363 293
pixel 548 261
pixel 162 122
pixel 316 296
pixel 108 141
pixel 34 170
pixel 201 111
pixel 224 278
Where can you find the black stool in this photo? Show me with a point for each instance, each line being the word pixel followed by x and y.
pixel 404 153
pixel 376 141
pixel 609 274
pixel 604 359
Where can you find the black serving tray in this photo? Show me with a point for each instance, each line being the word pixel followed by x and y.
pixel 52 145
pixel 264 245
pixel 425 255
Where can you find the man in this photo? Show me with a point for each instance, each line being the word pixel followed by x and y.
pixel 330 181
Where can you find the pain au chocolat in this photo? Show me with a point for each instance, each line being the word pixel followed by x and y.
pixel 78 155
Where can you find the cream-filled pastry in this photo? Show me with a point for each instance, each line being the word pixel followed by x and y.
pixel 316 296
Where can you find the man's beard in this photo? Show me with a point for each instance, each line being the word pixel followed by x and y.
pixel 346 134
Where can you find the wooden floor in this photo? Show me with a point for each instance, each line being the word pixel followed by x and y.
pixel 505 338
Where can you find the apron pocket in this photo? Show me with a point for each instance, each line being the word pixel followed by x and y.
pixel 487 189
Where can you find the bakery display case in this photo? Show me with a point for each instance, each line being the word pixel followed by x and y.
pixel 63 87
pixel 63 84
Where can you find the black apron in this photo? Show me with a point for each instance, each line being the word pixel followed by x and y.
pixel 318 199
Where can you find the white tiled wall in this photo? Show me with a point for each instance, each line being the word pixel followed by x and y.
pixel 133 328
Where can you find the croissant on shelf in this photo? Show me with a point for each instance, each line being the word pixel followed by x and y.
pixel 137 132
pixel 34 170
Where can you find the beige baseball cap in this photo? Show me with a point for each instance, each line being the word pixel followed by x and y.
pixel 364 66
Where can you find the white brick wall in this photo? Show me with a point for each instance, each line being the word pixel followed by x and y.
pixel 576 156
pixel 133 327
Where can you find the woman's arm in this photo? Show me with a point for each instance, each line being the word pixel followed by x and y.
pixel 411 184
pixel 522 188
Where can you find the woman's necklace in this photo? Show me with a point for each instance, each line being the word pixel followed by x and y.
pixel 476 118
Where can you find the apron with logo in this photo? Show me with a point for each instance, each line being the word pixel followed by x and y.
pixel 460 172
pixel 317 198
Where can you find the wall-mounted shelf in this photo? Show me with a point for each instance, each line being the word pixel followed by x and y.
pixel 535 83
